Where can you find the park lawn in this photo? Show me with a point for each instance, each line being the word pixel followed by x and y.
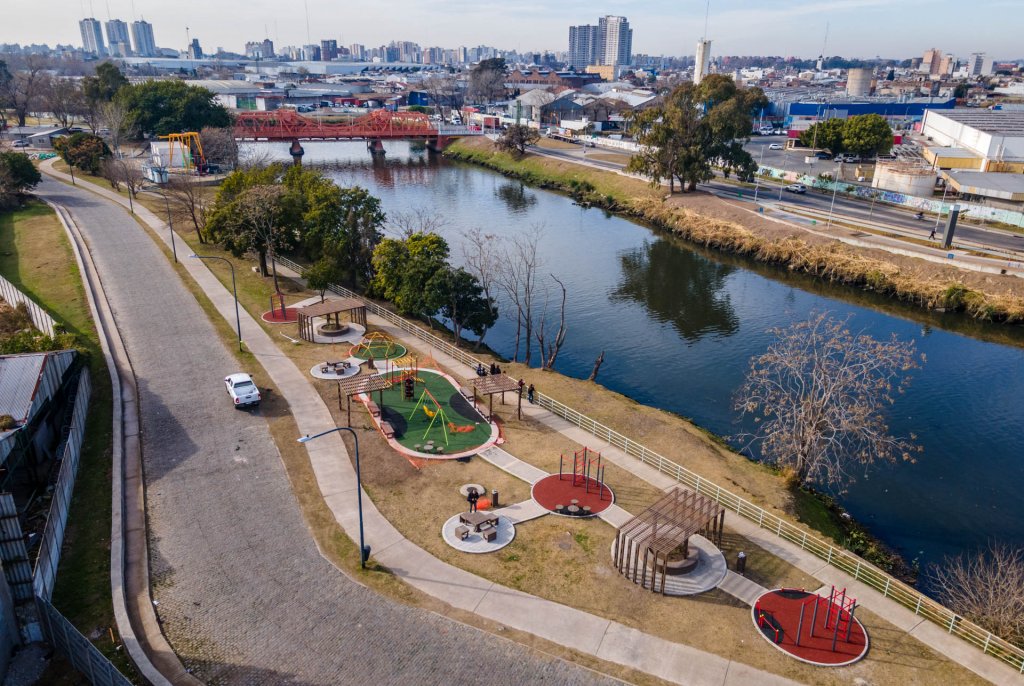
pixel 36 256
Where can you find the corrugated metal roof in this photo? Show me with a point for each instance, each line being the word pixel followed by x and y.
pixel 22 377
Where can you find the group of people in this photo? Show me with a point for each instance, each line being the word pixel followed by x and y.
pixel 494 370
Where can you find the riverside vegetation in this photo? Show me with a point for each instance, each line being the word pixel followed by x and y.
pixel 982 297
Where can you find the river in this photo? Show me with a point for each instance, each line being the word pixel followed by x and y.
pixel 679 326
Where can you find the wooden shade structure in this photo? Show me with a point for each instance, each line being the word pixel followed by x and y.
pixel 664 526
pixel 355 308
pixel 497 383
pixel 362 384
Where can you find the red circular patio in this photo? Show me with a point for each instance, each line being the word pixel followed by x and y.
pixel 777 616
pixel 275 316
pixel 555 490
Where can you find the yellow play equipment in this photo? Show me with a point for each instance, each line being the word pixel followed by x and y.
pixel 438 412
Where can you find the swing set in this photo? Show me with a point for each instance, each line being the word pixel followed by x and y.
pixel 435 411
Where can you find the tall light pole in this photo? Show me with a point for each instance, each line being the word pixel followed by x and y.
pixel 174 247
pixel 835 189
pixel 757 176
pixel 364 550
pixel 234 290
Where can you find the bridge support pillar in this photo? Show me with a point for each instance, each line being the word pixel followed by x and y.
pixel 438 144
pixel 296 152
pixel 375 146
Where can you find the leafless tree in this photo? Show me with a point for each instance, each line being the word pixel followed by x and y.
pixel 63 98
pixel 597 367
pixel 118 121
pixel 254 156
pixel 187 199
pixel 818 398
pixel 23 92
pixel 481 253
pixel 220 146
pixel 119 171
pixel 986 587
pixel 520 262
pixel 444 91
pixel 549 350
pixel 419 220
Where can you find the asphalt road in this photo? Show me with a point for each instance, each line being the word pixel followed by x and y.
pixel 242 593
pixel 815 200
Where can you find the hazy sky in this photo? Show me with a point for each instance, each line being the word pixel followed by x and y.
pixel 857 28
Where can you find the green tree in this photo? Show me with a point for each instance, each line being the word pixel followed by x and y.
pixel 410 273
pixel 465 305
pixel 5 89
pixel 17 176
pixel 960 92
pixel 825 135
pixel 263 219
pixel 99 90
pixel 867 135
pixel 517 137
pixel 83 151
pixel 322 275
pixel 163 107
pixel 694 128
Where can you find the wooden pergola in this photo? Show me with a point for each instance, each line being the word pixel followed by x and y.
pixel 661 528
pixel 362 384
pixel 497 383
pixel 355 308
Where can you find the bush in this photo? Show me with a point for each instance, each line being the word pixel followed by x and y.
pixel 83 151
pixel 18 176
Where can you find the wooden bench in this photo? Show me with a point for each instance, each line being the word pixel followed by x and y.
pixel 372 407
pixel 489 534
pixel 461 532
pixel 466 393
pixel 387 429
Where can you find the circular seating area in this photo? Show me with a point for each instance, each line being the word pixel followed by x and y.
pixel 475 542
pixel 333 371
pixel 708 570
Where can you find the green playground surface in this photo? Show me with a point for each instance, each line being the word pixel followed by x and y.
pixel 414 427
pixel 379 350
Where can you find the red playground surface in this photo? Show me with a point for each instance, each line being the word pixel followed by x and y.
pixel 275 317
pixel 777 614
pixel 555 490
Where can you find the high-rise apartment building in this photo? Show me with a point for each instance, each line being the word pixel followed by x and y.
pixel 357 52
pixel 979 64
pixel 92 37
pixel 259 49
pixel 328 50
pixel 117 38
pixel 932 61
pixel 195 51
pixel 142 39
pixel 615 41
pixel 583 43
pixel 702 60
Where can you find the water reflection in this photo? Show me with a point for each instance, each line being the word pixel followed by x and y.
pixel 678 287
pixel 517 199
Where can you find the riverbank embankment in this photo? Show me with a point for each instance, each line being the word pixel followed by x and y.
pixel 716 223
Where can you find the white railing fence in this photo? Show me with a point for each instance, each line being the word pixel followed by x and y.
pixel 843 560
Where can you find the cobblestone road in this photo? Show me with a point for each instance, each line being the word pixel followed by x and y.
pixel 243 595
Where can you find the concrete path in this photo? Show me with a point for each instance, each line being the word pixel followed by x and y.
pixel 513 465
pixel 742 588
pixel 522 512
pixel 615 515
pixel 252 618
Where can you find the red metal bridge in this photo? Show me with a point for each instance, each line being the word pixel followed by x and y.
pixel 377 126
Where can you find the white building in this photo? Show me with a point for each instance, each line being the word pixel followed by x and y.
pixel 994 136
pixel 92 37
pixel 615 41
pixel 142 39
pixel 979 64
pixel 117 38
pixel 702 61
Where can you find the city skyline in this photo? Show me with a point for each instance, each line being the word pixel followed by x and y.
pixel 859 28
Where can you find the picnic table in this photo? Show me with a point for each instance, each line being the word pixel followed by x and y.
pixel 479 521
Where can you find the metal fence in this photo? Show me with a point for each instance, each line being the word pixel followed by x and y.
pixel 79 650
pixel 43 321
pixel 56 521
pixel 843 560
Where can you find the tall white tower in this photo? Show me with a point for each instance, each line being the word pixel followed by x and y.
pixel 702 61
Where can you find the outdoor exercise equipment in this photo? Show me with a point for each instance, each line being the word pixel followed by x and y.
pixel 375 344
pixel 587 470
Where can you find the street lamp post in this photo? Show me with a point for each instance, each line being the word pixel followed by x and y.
pixel 174 247
pixel 757 176
pixel 234 290
pixel 364 550
pixel 835 189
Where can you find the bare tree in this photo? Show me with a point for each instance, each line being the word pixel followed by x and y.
pixel 24 90
pixel 63 98
pixel 254 156
pixel 597 367
pixel 549 350
pixel 444 91
pixel 187 199
pixel 520 263
pixel 220 146
pixel 986 587
pixel 419 220
pixel 121 172
pixel 481 253
pixel 818 397
pixel 116 117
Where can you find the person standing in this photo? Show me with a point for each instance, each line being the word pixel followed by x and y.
pixel 472 498
pixel 529 394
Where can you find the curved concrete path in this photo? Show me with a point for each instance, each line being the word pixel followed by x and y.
pixel 560 624
pixel 243 594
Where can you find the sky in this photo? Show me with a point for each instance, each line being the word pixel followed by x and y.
pixel 856 28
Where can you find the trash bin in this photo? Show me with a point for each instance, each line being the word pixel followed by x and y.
pixel 494 498
pixel 741 562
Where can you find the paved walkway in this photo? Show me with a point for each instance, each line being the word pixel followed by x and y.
pixel 249 617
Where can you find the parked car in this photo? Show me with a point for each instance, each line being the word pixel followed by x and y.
pixel 242 389
pixel 849 159
pixel 822 155
pixel 775 146
pixel 20 144
pixel 796 188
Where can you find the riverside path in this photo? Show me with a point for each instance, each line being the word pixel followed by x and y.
pixel 243 595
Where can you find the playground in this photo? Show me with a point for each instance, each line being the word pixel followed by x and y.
pixel 379 346
pixel 814 628
pixel 429 417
